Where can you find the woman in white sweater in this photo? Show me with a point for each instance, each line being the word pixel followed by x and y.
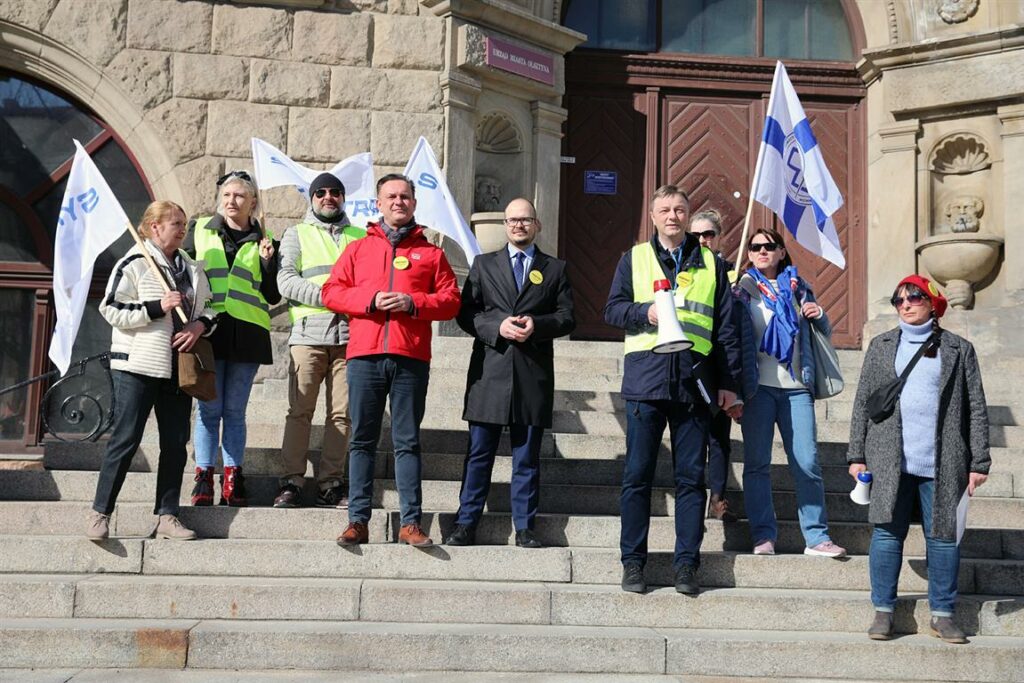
pixel 147 336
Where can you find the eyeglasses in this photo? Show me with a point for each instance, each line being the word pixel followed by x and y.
pixel 525 221
pixel 707 234
pixel 324 191
pixel 912 299
pixel 766 246
pixel 241 175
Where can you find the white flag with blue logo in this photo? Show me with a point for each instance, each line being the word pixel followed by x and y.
pixel 90 220
pixel 435 206
pixel 791 178
pixel 274 168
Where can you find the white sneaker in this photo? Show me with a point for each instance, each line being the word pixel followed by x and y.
pixel 826 549
pixel 99 527
pixel 764 547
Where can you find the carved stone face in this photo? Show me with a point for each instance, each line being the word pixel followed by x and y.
pixel 488 194
pixel 963 213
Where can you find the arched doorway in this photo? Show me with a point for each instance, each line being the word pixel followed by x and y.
pixel 37 125
pixel 675 91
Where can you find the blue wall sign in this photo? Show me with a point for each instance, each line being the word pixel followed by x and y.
pixel 600 182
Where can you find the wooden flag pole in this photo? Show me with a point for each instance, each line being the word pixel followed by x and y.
pixel 155 269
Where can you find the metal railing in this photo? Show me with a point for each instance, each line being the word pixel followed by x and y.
pixel 81 408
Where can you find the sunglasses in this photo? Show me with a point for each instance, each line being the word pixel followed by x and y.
pixel 766 246
pixel 707 234
pixel 241 175
pixel 912 299
pixel 323 192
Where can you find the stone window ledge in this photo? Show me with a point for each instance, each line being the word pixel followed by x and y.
pixel 283 3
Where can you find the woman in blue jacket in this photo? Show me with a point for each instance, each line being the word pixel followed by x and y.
pixel 782 308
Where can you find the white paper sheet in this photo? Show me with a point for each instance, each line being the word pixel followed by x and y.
pixel 961 517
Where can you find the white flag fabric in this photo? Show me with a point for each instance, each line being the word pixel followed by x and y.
pixel 435 206
pixel 274 168
pixel 91 219
pixel 791 178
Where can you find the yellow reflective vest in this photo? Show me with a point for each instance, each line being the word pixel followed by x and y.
pixel 317 254
pixel 694 292
pixel 236 290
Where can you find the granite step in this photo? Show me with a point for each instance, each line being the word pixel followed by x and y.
pixel 316 599
pixel 135 520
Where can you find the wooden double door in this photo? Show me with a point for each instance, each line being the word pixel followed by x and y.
pixel 704 140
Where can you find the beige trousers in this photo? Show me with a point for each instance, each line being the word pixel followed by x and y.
pixel 310 367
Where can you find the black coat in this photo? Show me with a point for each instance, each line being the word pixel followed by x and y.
pixel 513 382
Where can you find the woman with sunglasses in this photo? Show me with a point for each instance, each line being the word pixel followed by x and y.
pixel 239 261
pixel 782 308
pixel 933 448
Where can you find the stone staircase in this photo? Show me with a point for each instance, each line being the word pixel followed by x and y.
pixel 270 590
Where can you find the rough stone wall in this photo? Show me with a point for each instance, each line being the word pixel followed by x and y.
pixel 320 84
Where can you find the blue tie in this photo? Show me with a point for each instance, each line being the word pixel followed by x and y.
pixel 517 269
pixel 677 256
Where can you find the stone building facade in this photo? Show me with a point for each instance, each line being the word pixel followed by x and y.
pixel 933 132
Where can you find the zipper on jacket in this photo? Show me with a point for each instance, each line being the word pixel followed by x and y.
pixel 391 284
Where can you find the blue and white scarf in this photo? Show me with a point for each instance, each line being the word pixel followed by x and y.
pixel 779 338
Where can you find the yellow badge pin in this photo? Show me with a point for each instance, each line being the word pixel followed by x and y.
pixel 536 277
pixel 400 263
pixel 684 279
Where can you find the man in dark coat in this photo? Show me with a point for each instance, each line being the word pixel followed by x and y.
pixel 515 302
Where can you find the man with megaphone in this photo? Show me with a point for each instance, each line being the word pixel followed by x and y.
pixel 663 385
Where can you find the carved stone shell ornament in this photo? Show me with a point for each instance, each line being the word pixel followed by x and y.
pixel 498 135
pixel 961 154
pixel 958 11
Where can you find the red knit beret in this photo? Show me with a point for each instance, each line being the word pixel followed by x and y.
pixel 939 301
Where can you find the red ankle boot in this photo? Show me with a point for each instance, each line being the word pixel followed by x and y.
pixel 202 492
pixel 232 488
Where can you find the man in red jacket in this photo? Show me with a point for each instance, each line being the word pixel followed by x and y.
pixel 391 284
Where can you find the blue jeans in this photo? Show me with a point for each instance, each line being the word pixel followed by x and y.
pixel 476 472
pixel 793 411
pixel 719 449
pixel 645 425
pixel 135 396
pixel 234 383
pixel 885 558
pixel 372 380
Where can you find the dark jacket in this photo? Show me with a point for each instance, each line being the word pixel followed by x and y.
pixel 237 340
pixel 367 266
pixel 649 376
pixel 512 382
pixel 961 442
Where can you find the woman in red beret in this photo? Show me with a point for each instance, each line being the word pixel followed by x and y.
pixel 932 447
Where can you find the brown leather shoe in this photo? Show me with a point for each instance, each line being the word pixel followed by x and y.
pixel 719 509
pixel 413 535
pixel 354 533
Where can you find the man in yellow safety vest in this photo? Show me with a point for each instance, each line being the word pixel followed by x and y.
pixel 663 389
pixel 317 345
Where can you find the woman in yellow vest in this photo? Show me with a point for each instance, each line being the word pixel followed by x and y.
pixel 239 261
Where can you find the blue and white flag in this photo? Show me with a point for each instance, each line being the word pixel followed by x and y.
pixel 274 168
pixel 90 220
pixel 435 206
pixel 791 178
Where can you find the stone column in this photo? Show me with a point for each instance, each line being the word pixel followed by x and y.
pixel 547 169
pixel 892 211
pixel 1012 133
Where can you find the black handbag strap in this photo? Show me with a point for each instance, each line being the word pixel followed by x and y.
pixel 933 340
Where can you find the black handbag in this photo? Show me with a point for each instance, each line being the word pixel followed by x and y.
pixel 882 401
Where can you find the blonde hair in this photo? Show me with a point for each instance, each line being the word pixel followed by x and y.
pixel 712 216
pixel 156 212
pixel 669 191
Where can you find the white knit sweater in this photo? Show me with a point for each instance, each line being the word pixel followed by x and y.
pixel 141 337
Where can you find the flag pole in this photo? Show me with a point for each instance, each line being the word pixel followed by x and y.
pixel 155 269
pixel 757 178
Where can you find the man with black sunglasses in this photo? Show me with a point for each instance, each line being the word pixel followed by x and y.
pixel 317 345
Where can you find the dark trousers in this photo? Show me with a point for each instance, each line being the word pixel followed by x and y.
pixel 476 472
pixel 719 448
pixel 134 397
pixel 645 425
pixel 373 380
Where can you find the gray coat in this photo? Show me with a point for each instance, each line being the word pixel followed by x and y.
pixel 961 444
